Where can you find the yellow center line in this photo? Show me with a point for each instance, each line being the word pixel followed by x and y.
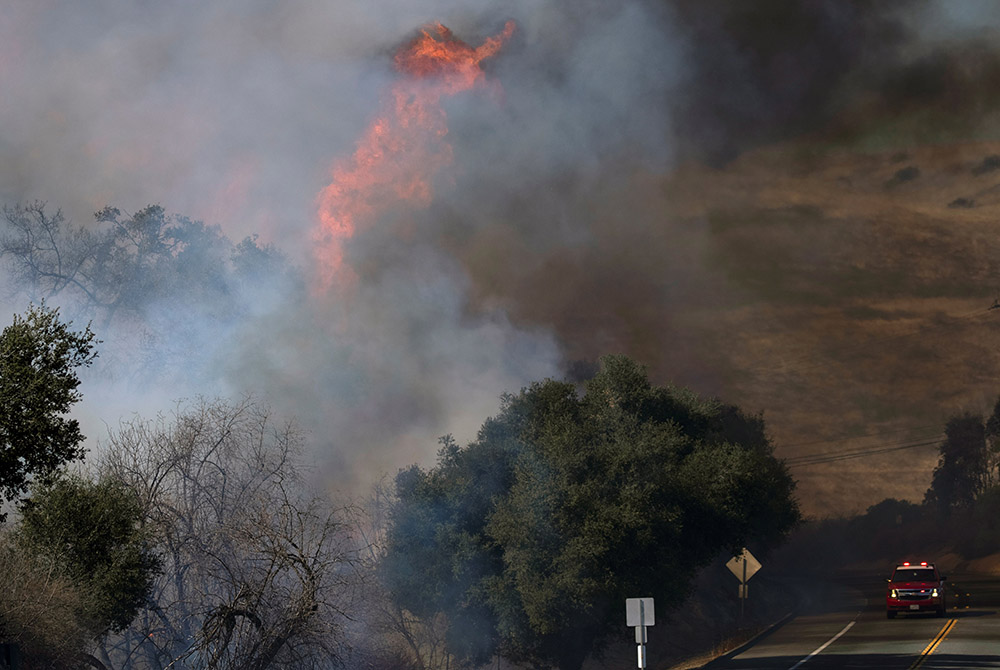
pixel 929 649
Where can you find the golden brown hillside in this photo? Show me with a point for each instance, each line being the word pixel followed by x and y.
pixel 864 322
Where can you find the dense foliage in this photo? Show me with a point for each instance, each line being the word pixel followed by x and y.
pixel 75 566
pixel 960 509
pixel 969 462
pixel 91 532
pixel 39 358
pixel 530 538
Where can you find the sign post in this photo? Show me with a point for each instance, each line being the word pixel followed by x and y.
pixel 744 567
pixel 639 614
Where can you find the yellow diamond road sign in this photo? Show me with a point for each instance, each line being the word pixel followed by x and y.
pixel 743 566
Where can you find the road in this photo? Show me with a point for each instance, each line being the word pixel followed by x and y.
pixel 843 625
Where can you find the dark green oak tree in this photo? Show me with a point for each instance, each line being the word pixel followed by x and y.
pixel 92 533
pixel 39 359
pixel 530 538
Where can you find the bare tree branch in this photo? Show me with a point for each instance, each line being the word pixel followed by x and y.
pixel 257 571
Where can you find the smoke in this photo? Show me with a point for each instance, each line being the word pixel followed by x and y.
pixel 551 238
pixel 234 114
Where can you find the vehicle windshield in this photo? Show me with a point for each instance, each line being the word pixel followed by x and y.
pixel 913 575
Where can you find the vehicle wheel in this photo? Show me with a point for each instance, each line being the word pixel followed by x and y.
pixel 890 614
pixel 940 613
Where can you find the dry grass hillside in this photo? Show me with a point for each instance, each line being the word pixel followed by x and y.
pixel 862 319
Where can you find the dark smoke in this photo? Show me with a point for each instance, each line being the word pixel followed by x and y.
pixel 760 72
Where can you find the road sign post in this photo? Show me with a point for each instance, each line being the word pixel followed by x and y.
pixel 744 567
pixel 639 613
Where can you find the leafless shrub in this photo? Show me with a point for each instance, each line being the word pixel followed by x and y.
pixel 257 572
pixel 38 609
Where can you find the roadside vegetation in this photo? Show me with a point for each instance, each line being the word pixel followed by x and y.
pixel 526 542
pixel 196 539
pixel 959 514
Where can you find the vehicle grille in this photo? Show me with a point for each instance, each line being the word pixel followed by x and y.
pixel 914 594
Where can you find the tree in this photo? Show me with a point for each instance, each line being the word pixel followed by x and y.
pixel 91 532
pixel 969 462
pixel 257 572
pixel 116 266
pixel 39 357
pixel 162 287
pixel 45 256
pixel 962 473
pixel 992 433
pixel 530 538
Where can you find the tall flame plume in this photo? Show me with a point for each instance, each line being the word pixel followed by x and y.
pixel 404 147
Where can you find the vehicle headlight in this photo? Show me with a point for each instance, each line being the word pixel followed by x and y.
pixel 894 593
pixel 934 593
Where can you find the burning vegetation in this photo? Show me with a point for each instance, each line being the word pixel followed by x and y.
pixel 405 147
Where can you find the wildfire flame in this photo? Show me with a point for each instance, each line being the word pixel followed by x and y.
pixel 404 147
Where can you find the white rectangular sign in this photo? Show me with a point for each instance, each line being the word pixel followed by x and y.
pixel 639 612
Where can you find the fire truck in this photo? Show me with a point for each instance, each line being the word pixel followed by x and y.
pixel 915 587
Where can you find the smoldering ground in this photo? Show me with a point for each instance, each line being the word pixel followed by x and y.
pixel 553 237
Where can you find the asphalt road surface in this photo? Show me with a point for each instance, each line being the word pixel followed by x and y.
pixel 843 625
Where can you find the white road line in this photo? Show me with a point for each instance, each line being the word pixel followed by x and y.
pixel 824 645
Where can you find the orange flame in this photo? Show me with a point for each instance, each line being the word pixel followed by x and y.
pixel 404 147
